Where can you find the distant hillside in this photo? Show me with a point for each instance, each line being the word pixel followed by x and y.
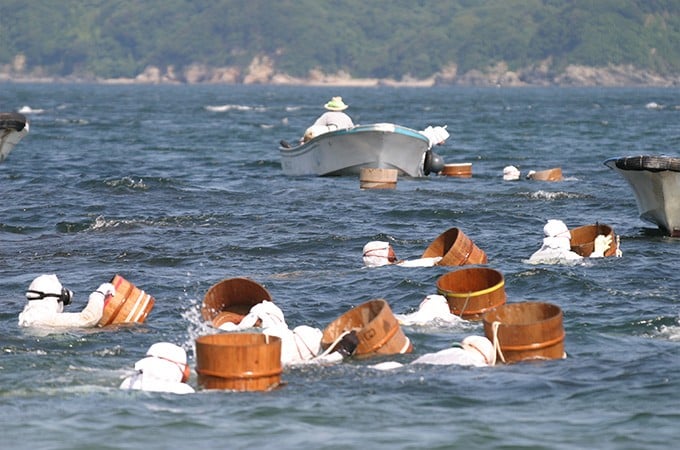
pixel 511 42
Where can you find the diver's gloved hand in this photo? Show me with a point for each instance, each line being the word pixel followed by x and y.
pixel 602 244
pixel 98 299
pixel 348 344
pixel 106 289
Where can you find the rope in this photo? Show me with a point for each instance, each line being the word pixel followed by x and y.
pixel 335 342
pixel 406 346
pixel 496 344
pixel 467 299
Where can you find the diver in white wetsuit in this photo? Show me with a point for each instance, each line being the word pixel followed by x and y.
pixel 164 369
pixel 46 301
pixel 381 253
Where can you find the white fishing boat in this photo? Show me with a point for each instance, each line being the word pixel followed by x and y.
pixel 347 151
pixel 655 181
pixel 13 127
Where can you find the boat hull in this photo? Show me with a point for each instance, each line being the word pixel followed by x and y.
pixel 346 152
pixel 655 181
pixel 13 128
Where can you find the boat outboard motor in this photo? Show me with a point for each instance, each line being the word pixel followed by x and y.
pixel 433 163
pixel 13 121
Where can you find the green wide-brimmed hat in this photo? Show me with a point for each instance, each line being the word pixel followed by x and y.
pixel 336 104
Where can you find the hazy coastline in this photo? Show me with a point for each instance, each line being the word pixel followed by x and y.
pixel 263 73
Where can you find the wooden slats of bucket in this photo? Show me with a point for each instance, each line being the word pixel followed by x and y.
pixel 473 291
pixel 378 331
pixel 526 330
pixel 129 305
pixel 373 178
pixel 455 248
pixel 460 170
pixel 230 300
pixel 583 239
pixel 554 174
pixel 239 361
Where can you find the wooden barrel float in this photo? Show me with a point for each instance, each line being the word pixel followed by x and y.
pixel 455 248
pixel 129 305
pixel 554 174
pixel 461 170
pixel 378 331
pixel 230 300
pixel 583 239
pixel 473 291
pixel 526 330
pixel 239 361
pixel 371 178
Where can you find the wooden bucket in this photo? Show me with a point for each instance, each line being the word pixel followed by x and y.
pixel 370 178
pixel 129 305
pixel 473 291
pixel 526 330
pixel 455 248
pixel 583 239
pixel 378 331
pixel 230 300
pixel 461 170
pixel 554 174
pixel 239 361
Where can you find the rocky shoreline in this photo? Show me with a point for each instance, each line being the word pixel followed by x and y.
pixel 262 71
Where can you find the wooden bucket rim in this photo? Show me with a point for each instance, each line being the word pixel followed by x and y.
pixel 587 228
pixel 462 294
pixel 256 338
pixel 521 305
pixel 209 312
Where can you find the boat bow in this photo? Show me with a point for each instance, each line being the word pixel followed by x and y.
pixel 655 181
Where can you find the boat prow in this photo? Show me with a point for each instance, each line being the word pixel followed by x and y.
pixel 655 181
pixel 13 127
pixel 347 151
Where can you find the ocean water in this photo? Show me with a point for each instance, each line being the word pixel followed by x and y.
pixel 178 187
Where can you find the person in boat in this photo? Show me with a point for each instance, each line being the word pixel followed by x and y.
pixel 436 135
pixel 333 119
pixel 475 351
pixel 46 301
pixel 164 369
pixel 556 246
pixel 381 253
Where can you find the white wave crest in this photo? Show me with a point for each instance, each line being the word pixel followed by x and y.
pixel 225 108
pixel 546 195
pixel 127 182
pixel 28 110
pixel 671 332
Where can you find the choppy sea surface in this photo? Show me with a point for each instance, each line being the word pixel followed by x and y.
pixel 178 187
